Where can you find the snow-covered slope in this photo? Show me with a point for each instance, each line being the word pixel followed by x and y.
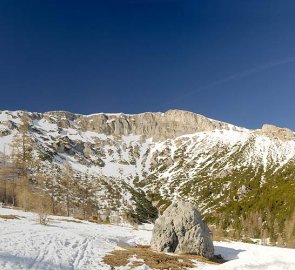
pixel 66 245
pixel 229 172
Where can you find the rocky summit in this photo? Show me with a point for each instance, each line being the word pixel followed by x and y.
pixel 140 163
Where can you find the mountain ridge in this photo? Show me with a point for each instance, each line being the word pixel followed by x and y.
pixel 141 161
pixel 174 112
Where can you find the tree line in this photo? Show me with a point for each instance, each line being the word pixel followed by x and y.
pixel 27 183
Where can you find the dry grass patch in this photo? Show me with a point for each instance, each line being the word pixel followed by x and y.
pixel 154 260
pixel 9 217
pixel 69 220
pixel 221 238
pixel 217 259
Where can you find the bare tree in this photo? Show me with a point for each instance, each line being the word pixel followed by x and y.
pixel 49 181
pixel 43 208
pixel 4 175
pixel 289 231
pixel 68 183
pixel 86 192
pixel 22 161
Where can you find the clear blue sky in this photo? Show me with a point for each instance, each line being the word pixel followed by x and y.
pixel 230 60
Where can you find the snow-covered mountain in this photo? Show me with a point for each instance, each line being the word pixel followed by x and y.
pixel 139 161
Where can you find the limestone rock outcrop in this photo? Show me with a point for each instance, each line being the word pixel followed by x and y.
pixel 277 132
pixel 181 230
pixel 159 126
pixel 168 125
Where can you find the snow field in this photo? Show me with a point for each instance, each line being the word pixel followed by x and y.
pixel 69 244
pixel 62 245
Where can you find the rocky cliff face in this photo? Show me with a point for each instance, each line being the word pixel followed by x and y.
pixel 276 132
pixel 159 126
pixel 162 156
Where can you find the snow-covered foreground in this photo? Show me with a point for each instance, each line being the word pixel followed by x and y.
pixel 244 256
pixel 24 244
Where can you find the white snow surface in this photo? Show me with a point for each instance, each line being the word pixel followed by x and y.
pixel 61 245
pixel 64 245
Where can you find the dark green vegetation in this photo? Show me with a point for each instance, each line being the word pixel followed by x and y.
pixel 241 201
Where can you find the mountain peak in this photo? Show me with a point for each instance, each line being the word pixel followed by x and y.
pixel 276 132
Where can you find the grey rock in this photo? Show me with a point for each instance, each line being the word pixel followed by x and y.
pixel 272 131
pixel 181 230
pixel 64 145
pixel 79 146
pixel 4 132
pixel 11 125
pixel 243 190
pixel 170 124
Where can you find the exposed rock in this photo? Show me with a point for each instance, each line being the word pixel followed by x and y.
pixel 166 125
pixel 276 132
pixel 64 145
pixel 243 190
pixel 80 146
pixel 11 125
pixel 225 172
pixel 4 132
pixel 181 230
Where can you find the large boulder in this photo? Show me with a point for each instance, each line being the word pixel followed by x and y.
pixel 181 230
